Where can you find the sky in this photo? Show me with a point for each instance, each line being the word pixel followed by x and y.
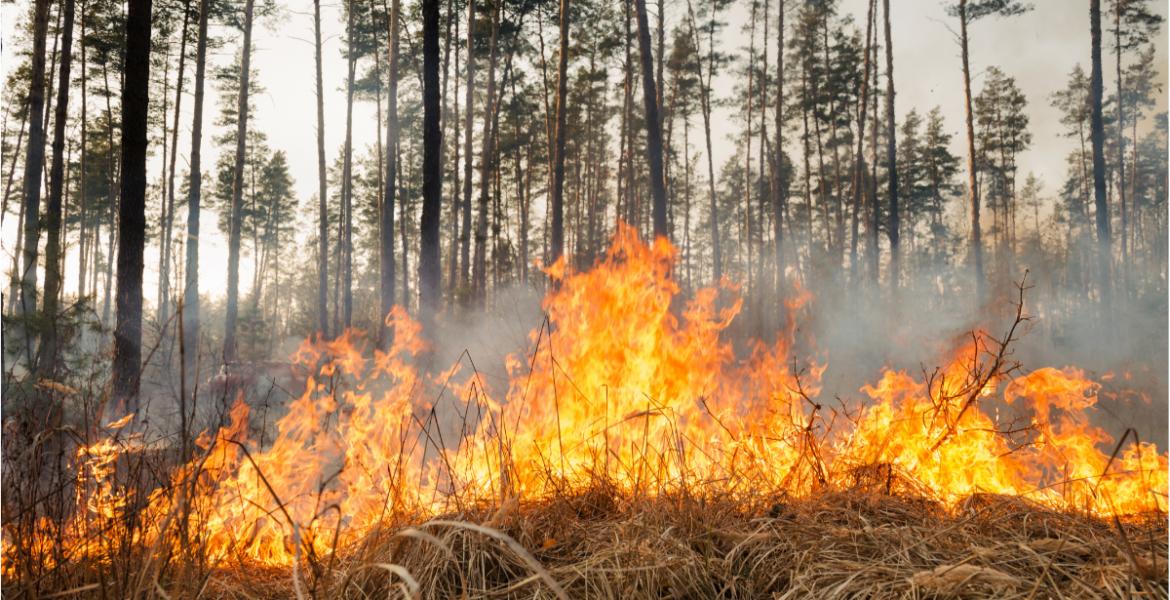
pixel 1038 49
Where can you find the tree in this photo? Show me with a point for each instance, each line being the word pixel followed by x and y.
pixel 53 214
pixel 999 111
pixel 233 282
pixel 705 90
pixel 778 195
pixel 487 159
pixel 386 209
pixel 941 167
pixel 132 205
pixel 1140 24
pixel 322 184
pixel 34 161
pixel 859 158
pixel 190 345
pixel 558 193
pixel 892 158
pixel 1097 135
pixel 653 124
pixel 428 259
pixel 967 13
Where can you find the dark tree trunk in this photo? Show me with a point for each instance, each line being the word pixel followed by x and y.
pixel 191 285
pixel 429 276
pixel 322 188
pixel 1118 7
pixel 479 294
pixel 83 247
pixel 558 193
pixel 53 212
pixel 386 209
pixel 452 263
pixel 859 159
pixel 653 124
pixel 34 162
pixel 132 206
pixel 1097 134
pixel 778 159
pixel 465 233
pixel 972 183
pixel 233 279
pixel 892 156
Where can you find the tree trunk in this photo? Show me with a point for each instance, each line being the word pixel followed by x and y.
pixel 653 123
pixel 976 237
pixel 465 233
pixel 859 159
pixel 386 209
pixel 1118 7
pixel 83 248
pixel 778 198
pixel 558 192
pixel 132 206
pixel 479 293
pixel 164 277
pixel 705 102
pixel 233 282
pixel 191 284
pixel 452 263
pixel 1097 135
pixel 53 212
pixel 112 174
pixel 429 276
pixel 322 191
pixel 747 156
pixel 347 182
pixel 892 157
pixel 33 162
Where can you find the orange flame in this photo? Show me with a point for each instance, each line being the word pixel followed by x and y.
pixel 624 384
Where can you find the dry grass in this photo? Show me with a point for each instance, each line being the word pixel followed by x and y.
pixel 835 544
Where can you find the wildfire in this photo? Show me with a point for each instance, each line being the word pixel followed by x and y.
pixel 624 386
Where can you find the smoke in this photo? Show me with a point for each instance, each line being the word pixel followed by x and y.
pixel 861 332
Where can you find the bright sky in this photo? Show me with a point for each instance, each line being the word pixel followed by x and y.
pixel 1039 49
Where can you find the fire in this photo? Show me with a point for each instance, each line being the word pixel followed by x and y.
pixel 627 386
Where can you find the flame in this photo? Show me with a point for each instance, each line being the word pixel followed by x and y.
pixel 627 385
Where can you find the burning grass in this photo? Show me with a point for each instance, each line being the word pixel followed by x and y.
pixel 633 455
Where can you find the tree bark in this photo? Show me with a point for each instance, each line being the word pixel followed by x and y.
pixel 347 182
pixel 558 192
pixel 83 248
pixel 191 284
pixel 892 228
pixel 164 277
pixel 132 205
pixel 53 212
pixel 429 275
pixel 386 208
pixel 487 156
pixel 778 198
pixel 859 159
pixel 465 234
pixel 972 183
pixel 653 124
pixel 34 161
pixel 322 189
pixel 1097 135
pixel 233 282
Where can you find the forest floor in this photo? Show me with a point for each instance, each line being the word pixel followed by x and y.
pixel 859 543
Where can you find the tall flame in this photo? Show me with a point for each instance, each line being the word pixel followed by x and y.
pixel 624 386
